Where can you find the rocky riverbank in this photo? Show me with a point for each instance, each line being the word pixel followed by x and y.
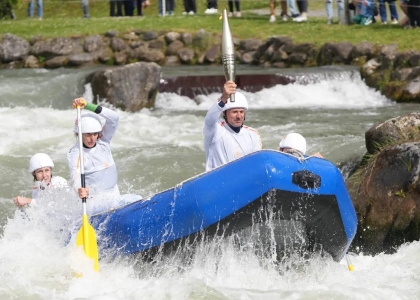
pixel 395 74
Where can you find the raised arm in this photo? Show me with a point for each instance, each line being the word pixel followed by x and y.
pixel 111 125
pixel 212 116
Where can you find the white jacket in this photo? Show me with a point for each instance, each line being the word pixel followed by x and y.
pixel 222 144
pixel 99 166
pixel 56 182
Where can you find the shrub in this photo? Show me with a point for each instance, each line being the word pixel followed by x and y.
pixel 6 8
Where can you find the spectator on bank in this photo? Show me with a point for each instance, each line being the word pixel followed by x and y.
pixel 128 8
pixel 138 4
pixel 39 9
pixel 171 7
pixel 283 12
pixel 413 13
pixel 392 11
pixel 115 7
pixel 303 10
pixel 294 13
pixel 375 11
pixel 190 7
pixel 168 9
pixel 237 6
pixel 405 20
pixel 364 12
pixel 143 4
pixel 329 8
pixel 85 8
pixel 211 7
pixel 272 11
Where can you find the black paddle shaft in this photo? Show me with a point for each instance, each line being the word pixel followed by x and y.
pixel 83 183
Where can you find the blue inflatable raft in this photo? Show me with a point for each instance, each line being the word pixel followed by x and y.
pixel 239 195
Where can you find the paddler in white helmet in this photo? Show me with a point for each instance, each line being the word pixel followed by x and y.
pixel 295 144
pixel 40 166
pixel 99 167
pixel 228 139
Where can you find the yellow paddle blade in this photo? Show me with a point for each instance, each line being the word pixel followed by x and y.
pixel 86 237
pixel 349 264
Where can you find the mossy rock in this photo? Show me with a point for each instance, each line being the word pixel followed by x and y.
pixel 393 90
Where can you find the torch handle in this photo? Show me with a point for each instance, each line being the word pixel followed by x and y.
pixel 230 70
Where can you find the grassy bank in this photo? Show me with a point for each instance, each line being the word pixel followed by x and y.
pixel 64 18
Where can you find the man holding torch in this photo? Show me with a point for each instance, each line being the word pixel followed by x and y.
pixel 228 139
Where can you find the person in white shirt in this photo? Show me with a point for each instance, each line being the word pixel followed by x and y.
pixel 228 139
pixel 40 166
pixel 101 175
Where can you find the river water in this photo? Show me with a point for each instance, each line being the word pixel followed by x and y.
pixel 156 149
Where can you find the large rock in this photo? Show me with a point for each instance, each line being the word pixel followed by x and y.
pixel 93 43
pixel 385 188
pixel 118 44
pixel 202 40
pixel 250 45
pixel 366 49
pixel 56 62
pixel 131 87
pixel 335 53
pixel 80 59
pixel 387 56
pixel 13 48
pixel 31 62
pixel 392 131
pixel 212 54
pixel 172 36
pixel 386 195
pixel 186 55
pixel 174 48
pixel 52 48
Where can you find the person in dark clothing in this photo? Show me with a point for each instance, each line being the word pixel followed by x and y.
pixel 237 6
pixel 190 7
pixel 128 8
pixel 115 4
pixel 168 9
pixel 138 4
pixel 211 7
pixel 303 9
pixel 413 10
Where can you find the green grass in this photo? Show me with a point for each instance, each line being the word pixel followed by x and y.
pixel 64 18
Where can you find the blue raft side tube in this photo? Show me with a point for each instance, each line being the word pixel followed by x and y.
pixel 209 197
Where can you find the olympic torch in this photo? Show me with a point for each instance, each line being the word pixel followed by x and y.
pixel 228 52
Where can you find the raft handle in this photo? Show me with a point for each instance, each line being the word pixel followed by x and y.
pixel 306 179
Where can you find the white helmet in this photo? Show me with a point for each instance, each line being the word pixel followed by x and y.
pixel 240 102
pixel 40 160
pixel 295 141
pixel 91 123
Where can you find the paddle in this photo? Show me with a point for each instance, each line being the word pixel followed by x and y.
pixel 349 264
pixel 86 236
